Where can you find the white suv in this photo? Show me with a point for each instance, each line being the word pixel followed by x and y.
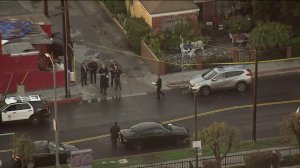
pixel 31 108
pixel 221 78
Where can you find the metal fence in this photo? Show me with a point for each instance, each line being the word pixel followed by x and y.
pixel 230 160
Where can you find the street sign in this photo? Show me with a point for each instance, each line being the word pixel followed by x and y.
pixel 82 158
pixel 197 144
pixel 54 125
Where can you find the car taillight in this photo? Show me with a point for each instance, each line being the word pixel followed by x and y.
pixel 249 72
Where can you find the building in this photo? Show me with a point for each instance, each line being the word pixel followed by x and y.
pixel 164 14
pixel 24 41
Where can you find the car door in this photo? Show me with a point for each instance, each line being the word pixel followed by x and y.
pixel 162 136
pixel 232 78
pixel 24 111
pixel 218 82
pixel 9 113
pixel 41 158
pixel 147 137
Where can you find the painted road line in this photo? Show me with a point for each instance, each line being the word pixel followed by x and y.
pixel 185 118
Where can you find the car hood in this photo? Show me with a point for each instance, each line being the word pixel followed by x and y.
pixel 197 79
pixel 126 132
pixel 179 130
pixel 69 147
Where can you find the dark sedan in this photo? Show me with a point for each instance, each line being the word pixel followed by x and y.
pixel 153 134
pixel 44 154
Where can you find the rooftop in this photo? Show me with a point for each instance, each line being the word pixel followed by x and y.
pixel 167 6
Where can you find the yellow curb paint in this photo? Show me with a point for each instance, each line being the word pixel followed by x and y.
pixel 184 118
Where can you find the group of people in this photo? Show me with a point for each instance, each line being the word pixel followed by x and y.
pixel 115 77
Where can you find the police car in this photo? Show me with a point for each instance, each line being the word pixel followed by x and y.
pixel 31 108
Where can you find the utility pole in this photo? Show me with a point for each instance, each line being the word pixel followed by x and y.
pixel 196 127
pixel 255 98
pixel 63 13
pixel 69 43
pixel 46 8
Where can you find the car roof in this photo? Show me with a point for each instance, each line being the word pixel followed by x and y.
pixel 29 98
pixel 146 125
pixel 220 69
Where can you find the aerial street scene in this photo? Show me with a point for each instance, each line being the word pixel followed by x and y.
pixel 150 83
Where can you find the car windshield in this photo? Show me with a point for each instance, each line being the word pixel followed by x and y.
pixel 2 104
pixel 167 126
pixel 209 74
pixel 53 146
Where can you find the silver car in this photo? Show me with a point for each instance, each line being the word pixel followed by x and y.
pixel 221 78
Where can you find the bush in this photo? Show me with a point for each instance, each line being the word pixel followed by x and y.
pixel 238 24
pixel 262 159
pixel 136 29
pixel 116 7
pixel 290 160
pixel 295 44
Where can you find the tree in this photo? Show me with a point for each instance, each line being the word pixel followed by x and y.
pixel 291 124
pixel 218 135
pixel 269 35
pixel 23 145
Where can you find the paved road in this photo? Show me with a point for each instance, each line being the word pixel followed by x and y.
pixel 86 120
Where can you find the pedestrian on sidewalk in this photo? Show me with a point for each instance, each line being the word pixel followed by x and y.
pixel 103 81
pixel 114 133
pixel 93 67
pixel 112 75
pixel 158 90
pixel 84 72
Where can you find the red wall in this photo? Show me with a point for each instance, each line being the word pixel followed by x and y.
pixel 13 71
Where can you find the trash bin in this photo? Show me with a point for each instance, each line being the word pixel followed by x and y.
pixel 72 77
pixel 21 90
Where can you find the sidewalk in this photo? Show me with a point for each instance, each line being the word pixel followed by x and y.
pixel 142 85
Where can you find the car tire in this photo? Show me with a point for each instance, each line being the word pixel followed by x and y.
pixel 35 120
pixel 138 146
pixel 241 86
pixel 205 91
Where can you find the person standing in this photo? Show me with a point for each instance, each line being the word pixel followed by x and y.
pixel 103 81
pixel 114 133
pixel 112 75
pixel 117 79
pixel 84 72
pixel 93 67
pixel 158 90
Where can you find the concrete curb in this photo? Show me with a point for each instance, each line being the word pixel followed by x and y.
pixel 76 99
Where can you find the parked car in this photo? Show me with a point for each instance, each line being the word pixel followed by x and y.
pixel 153 134
pixel 221 78
pixel 32 108
pixel 44 154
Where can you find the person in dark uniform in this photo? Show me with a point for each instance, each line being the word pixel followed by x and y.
pixel 158 90
pixel 93 67
pixel 112 75
pixel 103 80
pixel 84 72
pixel 117 80
pixel 114 133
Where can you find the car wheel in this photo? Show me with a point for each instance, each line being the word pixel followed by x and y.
pixel 35 120
pixel 205 91
pixel 241 86
pixel 138 146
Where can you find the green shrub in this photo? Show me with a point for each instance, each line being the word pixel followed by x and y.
pixel 136 29
pixel 238 24
pixel 295 44
pixel 116 7
pixel 262 160
pixel 290 160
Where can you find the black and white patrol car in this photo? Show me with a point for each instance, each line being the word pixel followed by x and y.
pixel 31 108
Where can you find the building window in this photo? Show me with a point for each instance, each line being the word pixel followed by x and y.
pixel 170 24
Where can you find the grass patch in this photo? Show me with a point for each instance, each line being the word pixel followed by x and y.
pixel 184 153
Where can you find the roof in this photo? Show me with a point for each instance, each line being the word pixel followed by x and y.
pixel 15 99
pixel 167 6
pixel 145 125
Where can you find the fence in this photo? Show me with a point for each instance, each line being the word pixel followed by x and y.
pixel 230 160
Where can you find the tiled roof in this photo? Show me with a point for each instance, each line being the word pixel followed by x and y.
pixel 167 6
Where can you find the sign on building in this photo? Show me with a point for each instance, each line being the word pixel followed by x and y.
pixel 82 158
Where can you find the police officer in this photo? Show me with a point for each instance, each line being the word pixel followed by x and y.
pixel 114 133
pixel 93 67
pixel 84 72
pixel 158 90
